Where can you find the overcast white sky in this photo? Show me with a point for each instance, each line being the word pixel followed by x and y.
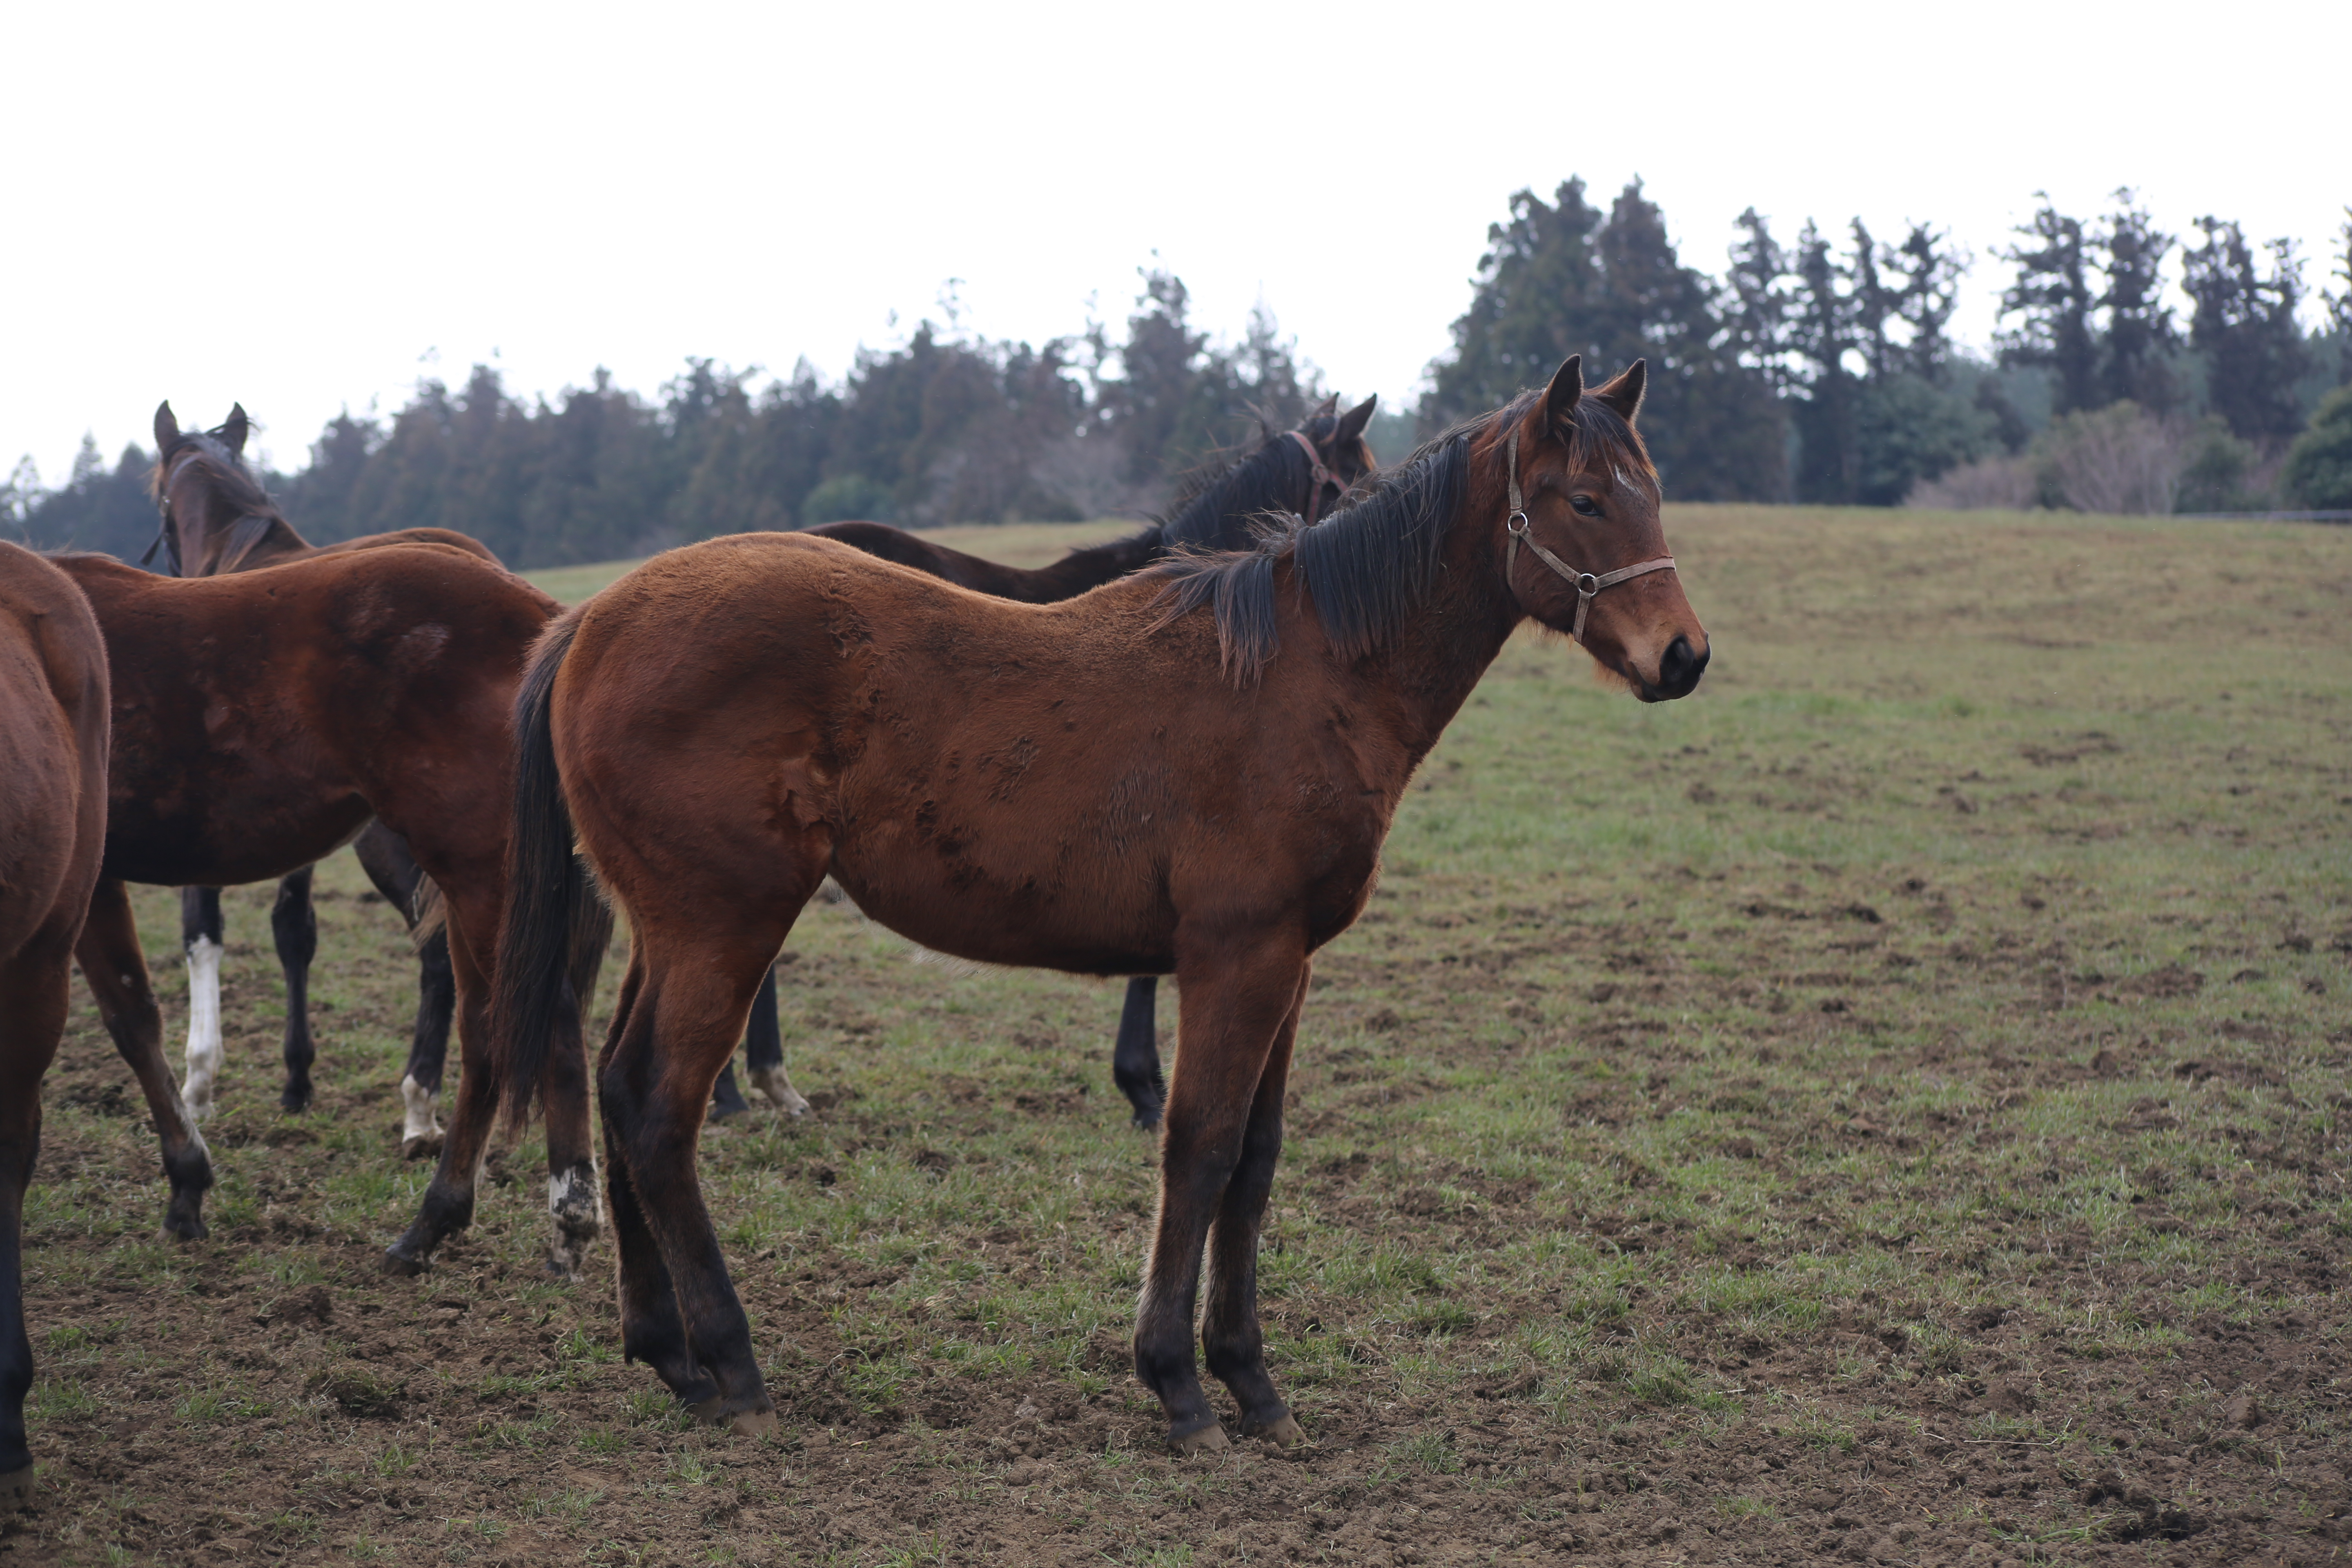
pixel 309 206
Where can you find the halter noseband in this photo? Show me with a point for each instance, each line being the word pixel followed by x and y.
pixel 1588 585
pixel 1322 475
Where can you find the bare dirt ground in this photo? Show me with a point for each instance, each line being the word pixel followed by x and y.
pixel 1889 1108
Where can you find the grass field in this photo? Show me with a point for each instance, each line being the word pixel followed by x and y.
pixel 1890 1105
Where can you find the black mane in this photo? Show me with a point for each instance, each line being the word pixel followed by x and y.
pixel 1368 566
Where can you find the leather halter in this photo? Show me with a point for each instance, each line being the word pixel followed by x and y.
pixel 1588 585
pixel 1323 476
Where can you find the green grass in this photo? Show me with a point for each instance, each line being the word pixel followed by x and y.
pixel 1925 1048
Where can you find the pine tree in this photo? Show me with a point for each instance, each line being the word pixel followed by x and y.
pixel 2052 293
pixel 2140 339
pixel 2245 330
pixel 1534 288
pixel 1822 333
pixel 1929 271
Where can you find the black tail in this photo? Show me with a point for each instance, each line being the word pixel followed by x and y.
pixel 553 914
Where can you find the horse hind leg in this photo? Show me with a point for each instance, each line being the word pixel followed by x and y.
pixel 1135 1057
pixel 428 1049
pixel 117 972
pixel 763 1051
pixel 385 856
pixel 200 940
pixel 294 922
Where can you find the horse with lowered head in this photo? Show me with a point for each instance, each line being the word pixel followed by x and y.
pixel 980 777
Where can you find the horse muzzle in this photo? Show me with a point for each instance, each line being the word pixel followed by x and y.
pixel 1679 669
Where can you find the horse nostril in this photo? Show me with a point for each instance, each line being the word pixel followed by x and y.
pixel 1679 669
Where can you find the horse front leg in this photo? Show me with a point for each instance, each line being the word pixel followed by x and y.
pixel 294 922
pixel 1135 1057
pixel 1231 1340
pixel 200 942
pixel 33 994
pixel 117 972
pixel 1233 1004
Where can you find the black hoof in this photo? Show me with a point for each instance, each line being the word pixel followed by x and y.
pixel 294 1101
pixel 402 1264
pixel 16 1487
pixel 185 1225
pixel 1147 1120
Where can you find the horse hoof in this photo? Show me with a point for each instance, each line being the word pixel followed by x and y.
pixel 722 1114
pixel 1147 1122
pixel 756 1422
pixel 421 1145
pixel 402 1264
pixel 16 1488
pixel 1208 1439
pixel 185 1227
pixel 1283 1433
pixel 294 1104
pixel 773 1083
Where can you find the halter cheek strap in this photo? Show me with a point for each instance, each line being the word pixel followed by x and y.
pixel 1588 585
pixel 1322 475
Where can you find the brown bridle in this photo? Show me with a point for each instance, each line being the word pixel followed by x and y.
pixel 1323 476
pixel 1587 585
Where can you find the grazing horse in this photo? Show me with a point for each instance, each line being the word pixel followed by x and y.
pixel 216 520
pixel 981 778
pixel 1301 472
pixel 261 721
pixel 53 714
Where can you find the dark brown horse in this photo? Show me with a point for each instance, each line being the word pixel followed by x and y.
pixel 53 714
pixel 261 721
pixel 217 519
pixel 1303 472
pixel 980 777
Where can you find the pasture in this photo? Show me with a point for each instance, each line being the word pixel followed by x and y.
pixel 1890 1105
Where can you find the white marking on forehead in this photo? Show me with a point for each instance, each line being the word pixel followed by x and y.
pixel 205 1052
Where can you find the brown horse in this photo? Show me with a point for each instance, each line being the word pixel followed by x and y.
pixel 1303 472
pixel 217 519
pixel 982 778
pixel 53 714
pixel 261 721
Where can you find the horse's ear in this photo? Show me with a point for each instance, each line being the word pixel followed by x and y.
pixel 167 428
pixel 1567 388
pixel 234 427
pixel 1328 408
pixel 1352 423
pixel 1623 392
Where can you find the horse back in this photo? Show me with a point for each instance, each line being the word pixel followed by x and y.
pixel 446 536
pixel 53 753
pixel 1077 767
pixel 278 709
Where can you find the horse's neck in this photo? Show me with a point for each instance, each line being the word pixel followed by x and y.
pixel 278 543
pixel 1083 570
pixel 1410 690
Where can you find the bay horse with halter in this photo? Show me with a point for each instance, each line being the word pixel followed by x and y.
pixel 1301 472
pixel 980 777
pixel 217 518
pixel 261 721
pixel 53 729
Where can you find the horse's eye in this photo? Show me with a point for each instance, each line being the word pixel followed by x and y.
pixel 1583 506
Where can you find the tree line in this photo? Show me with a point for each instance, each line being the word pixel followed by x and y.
pixel 1817 370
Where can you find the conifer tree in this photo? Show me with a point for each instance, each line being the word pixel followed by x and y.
pixel 2052 294
pixel 2139 337
pixel 2245 328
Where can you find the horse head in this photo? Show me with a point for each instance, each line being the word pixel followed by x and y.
pixel 216 517
pixel 1582 548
